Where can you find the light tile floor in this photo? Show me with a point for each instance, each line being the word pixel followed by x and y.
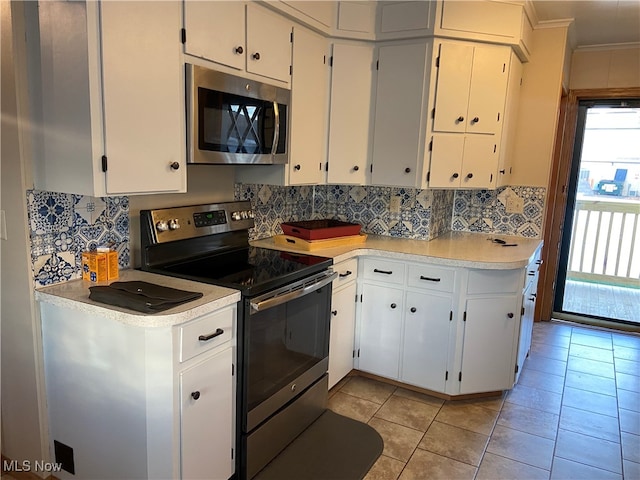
pixel 575 413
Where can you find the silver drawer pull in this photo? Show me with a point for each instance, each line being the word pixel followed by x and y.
pixel 206 338
pixel 429 279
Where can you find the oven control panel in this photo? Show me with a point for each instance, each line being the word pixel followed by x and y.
pixel 180 223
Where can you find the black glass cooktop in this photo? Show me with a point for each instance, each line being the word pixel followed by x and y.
pixel 251 270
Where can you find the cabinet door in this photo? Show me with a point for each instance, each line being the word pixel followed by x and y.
pixel 446 160
pixel 479 162
pixel 341 340
pixel 216 31
pixel 309 93
pixel 398 137
pixel 426 339
pixel 463 161
pixel 143 97
pixel 268 44
pixel 526 326
pixel 490 340
pixel 207 418
pixel 351 77
pixel 380 330
pixel 488 89
pixel 453 83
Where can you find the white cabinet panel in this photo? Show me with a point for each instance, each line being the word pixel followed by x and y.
pixel 398 140
pixel 268 43
pixel 425 348
pixel 206 333
pixel 463 161
pixel 380 330
pixel 113 98
pixel 383 271
pixel 342 333
pixel 349 117
pixel 206 397
pixel 216 31
pixel 488 352
pixel 309 93
pixel 454 82
pixel 488 88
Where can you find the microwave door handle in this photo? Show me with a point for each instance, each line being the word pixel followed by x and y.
pixel 276 133
pixel 259 305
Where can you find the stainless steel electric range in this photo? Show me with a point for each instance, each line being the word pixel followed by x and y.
pixel 283 318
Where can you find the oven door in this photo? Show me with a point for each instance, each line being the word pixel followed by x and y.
pixel 287 344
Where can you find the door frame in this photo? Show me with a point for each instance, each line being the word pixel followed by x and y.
pixel 558 185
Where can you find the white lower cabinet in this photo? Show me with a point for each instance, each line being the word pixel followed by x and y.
pixel 141 402
pixel 444 329
pixel 341 338
pixel 380 330
pixel 426 340
pixel 206 422
pixel 490 339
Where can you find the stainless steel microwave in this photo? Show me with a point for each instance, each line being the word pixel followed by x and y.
pixel 232 120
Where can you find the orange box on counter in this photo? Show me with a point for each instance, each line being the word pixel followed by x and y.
pixel 100 266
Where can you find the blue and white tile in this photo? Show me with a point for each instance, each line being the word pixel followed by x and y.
pixel 117 206
pixel 357 194
pixel 407 196
pixel 264 194
pixel 42 245
pixel 421 224
pixel 337 193
pixel 424 198
pixel 55 268
pixel 49 212
pixel 89 210
pixel 378 226
pixel 400 228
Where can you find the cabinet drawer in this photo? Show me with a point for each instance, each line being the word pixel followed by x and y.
pixel 347 272
pixel 431 277
pixel 206 333
pixel 495 281
pixel 383 271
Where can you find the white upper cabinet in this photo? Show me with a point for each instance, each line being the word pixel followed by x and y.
pixel 268 43
pixel 309 105
pixel 474 99
pixel 400 120
pixel 216 31
pixel 241 35
pixel 485 21
pixel 471 88
pixel 112 98
pixel 350 113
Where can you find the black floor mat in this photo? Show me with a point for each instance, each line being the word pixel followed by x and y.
pixel 334 447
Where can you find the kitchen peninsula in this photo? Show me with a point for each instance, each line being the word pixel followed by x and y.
pixel 452 315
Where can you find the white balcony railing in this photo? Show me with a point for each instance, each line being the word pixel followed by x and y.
pixel 604 242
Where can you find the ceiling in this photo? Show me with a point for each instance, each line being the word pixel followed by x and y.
pixel 596 22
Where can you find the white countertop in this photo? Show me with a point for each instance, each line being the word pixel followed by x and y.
pixel 457 249
pixel 75 295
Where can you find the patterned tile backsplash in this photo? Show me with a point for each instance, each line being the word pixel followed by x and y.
pixel 62 226
pixel 422 214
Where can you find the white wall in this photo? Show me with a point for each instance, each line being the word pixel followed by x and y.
pixel 24 431
pixel 614 67
pixel 539 102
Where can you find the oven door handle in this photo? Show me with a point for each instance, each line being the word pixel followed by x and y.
pixel 272 299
